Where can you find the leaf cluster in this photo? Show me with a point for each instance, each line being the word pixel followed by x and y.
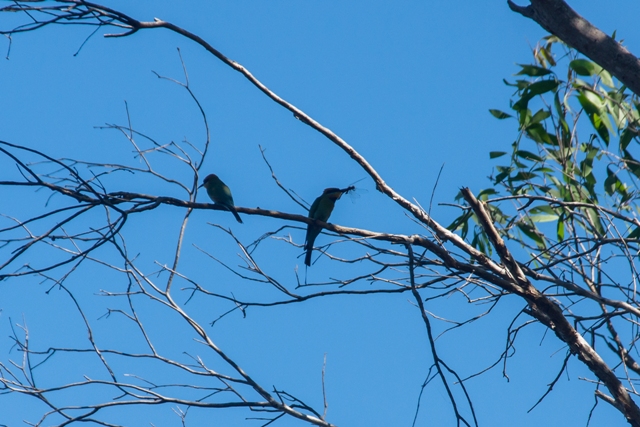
pixel 563 170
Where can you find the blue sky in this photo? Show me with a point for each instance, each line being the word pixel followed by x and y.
pixel 407 84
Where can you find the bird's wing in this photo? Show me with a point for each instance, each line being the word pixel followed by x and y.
pixel 314 207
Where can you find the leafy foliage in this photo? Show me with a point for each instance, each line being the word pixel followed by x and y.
pixel 580 176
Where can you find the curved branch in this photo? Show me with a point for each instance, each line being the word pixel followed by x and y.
pixel 550 314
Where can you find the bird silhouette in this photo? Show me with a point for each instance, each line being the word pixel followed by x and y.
pixel 220 194
pixel 321 210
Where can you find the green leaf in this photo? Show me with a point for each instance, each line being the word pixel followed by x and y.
pixel 565 133
pixel 558 105
pixel 543 86
pixel 585 169
pixel 528 155
pixel 617 108
pixel 600 123
pixel 595 220
pixel 460 222
pixel 543 209
pixel 634 234
pixel 499 114
pixel 496 154
pixel 631 163
pixel 537 88
pixel 532 232
pixel 594 107
pixel 539 134
pixel 524 176
pixel 543 218
pixel 560 228
pixel 591 102
pixel 500 177
pixel 520 84
pixel 533 70
pixel 611 182
pixel 481 243
pixel 495 212
pixel 524 115
pixel 613 185
pixel 486 192
pixel 584 67
pixel 546 54
pixel 522 105
pixel 547 171
pixel 605 119
pixel 606 78
pixel 540 116
pixel 586 165
pixel 626 137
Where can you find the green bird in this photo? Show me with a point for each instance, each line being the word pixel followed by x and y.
pixel 321 210
pixel 220 194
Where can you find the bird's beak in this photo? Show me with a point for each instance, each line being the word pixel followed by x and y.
pixel 201 185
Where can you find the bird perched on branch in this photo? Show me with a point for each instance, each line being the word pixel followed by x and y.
pixel 321 210
pixel 220 194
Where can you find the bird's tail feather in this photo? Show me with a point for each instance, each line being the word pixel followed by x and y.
pixel 235 213
pixel 307 257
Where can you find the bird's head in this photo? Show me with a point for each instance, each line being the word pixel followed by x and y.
pixel 333 193
pixel 209 179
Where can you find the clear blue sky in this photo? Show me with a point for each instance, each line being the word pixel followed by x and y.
pixel 407 84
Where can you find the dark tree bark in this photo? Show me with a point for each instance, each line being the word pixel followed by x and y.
pixel 558 18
